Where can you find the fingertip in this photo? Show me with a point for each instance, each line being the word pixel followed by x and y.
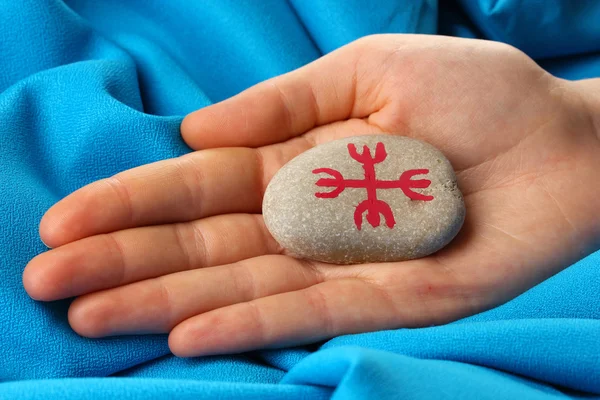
pixel 177 344
pixel 88 317
pixel 45 244
pixel 187 341
pixel 44 232
pixel 40 279
pixel 189 131
pixel 76 216
pixel 50 236
pixel 34 282
pixel 213 126
pixel 55 228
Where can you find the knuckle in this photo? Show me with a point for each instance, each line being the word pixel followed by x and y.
pixel 122 192
pixel 318 301
pixel 244 282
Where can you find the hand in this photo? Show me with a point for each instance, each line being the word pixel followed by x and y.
pixel 180 246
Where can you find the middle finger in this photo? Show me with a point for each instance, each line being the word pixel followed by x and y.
pixel 186 188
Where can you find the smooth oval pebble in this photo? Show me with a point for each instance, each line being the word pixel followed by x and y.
pixel 361 199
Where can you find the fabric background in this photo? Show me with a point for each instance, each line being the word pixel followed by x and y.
pixel 90 88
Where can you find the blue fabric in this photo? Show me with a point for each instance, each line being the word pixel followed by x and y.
pixel 89 88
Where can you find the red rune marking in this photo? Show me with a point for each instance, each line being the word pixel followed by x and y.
pixel 372 206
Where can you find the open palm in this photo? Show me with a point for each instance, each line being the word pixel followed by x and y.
pixel 180 246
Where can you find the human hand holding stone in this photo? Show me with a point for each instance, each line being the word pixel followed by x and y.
pixel 180 246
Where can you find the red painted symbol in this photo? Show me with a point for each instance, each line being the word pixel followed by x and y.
pixel 372 206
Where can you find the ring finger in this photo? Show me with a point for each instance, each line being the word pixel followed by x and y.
pixel 157 305
pixel 118 258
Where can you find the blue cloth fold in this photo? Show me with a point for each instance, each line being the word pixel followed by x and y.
pixel 88 89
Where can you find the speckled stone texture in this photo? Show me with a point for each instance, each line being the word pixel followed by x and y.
pixel 325 229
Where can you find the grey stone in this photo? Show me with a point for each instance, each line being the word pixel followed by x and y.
pixel 324 229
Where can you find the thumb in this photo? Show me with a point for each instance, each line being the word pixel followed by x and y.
pixel 335 87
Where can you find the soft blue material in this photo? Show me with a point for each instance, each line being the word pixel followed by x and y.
pixel 89 88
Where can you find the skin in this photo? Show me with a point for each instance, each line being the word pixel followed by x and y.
pixel 179 246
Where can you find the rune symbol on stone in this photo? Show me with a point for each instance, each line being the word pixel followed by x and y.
pixel 372 205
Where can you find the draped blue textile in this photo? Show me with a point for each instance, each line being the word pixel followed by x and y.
pixel 90 88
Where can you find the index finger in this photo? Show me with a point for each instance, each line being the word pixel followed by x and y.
pixel 332 88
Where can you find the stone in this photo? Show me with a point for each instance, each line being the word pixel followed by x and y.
pixel 373 198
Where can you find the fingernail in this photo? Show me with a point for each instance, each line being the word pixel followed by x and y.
pixel 44 243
